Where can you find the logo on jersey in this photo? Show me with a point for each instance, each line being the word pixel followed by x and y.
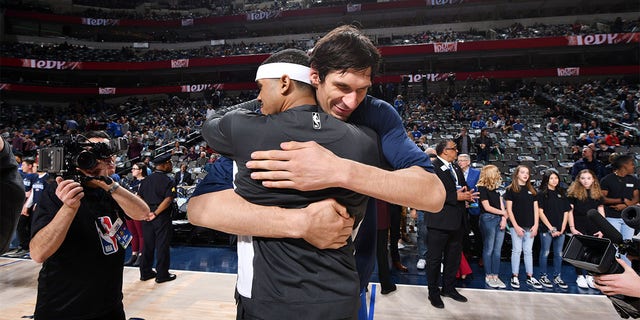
pixel 317 125
pixel 109 243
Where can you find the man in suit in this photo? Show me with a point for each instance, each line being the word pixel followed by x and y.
pixel 471 176
pixel 445 229
pixel 463 141
pixel 183 177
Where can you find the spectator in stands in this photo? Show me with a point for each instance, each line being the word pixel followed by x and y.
pixel 582 140
pixel 139 172
pixel 398 104
pixel 603 152
pixel 627 139
pixel 192 154
pixel 493 221
pixel 478 122
pixel 522 207
pixel 552 126
pixel 576 153
pixel 178 150
pixel 554 208
pixel 612 139
pixel 597 130
pixel 183 177
pixel 628 106
pixel 584 194
pixel 626 119
pixel 415 133
pixel 518 125
pixel 565 126
pixel 463 141
pixel 592 137
pixel 588 161
pixel 620 190
pixel 135 148
pixel 483 146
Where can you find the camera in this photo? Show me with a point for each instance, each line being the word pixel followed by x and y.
pixel 598 255
pixel 69 152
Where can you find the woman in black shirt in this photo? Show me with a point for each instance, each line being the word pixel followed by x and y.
pixel 493 222
pixel 553 208
pixel 584 194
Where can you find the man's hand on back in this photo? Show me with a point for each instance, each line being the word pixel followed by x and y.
pixel 303 166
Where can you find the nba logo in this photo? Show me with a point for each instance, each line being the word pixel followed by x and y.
pixel 316 121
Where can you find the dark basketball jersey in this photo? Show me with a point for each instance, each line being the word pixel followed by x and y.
pixel 285 278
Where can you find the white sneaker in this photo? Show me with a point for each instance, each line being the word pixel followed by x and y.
pixel 590 282
pixel 582 282
pixel 491 282
pixel 422 263
pixel 500 284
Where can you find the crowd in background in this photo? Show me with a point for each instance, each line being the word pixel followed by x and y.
pixel 84 53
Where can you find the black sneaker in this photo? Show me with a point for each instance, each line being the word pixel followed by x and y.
pixel 534 283
pixel 557 280
pixel 544 280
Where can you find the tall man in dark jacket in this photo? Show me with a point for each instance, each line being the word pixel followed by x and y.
pixel 446 229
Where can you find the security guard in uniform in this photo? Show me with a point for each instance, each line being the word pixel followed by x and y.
pixel 158 191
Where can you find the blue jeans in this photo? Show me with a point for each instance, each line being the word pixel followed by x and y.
pixel 518 245
pixel 545 244
pixel 492 242
pixel 625 230
pixel 422 235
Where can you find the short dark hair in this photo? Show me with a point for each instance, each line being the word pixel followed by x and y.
pixel 296 56
pixel 291 56
pixel 441 146
pixel 620 160
pixel 344 48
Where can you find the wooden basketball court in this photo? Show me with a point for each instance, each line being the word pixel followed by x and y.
pixel 206 295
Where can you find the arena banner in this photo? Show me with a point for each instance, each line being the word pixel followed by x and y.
pixel 180 63
pixel 413 78
pixel 440 47
pixel 49 64
pixel 100 22
pixel 200 87
pixel 444 2
pixel 109 90
pixel 601 39
pixel 263 15
pixel 569 72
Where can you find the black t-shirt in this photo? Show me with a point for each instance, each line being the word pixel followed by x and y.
pixel 155 188
pixel 580 209
pixel 492 195
pixel 618 187
pixel 554 206
pixel 83 278
pixel 522 206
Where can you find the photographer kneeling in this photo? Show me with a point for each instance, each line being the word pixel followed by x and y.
pixel 78 232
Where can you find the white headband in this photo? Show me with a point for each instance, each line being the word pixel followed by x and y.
pixel 278 69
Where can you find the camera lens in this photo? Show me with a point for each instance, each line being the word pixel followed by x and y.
pixel 590 256
pixel 86 160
